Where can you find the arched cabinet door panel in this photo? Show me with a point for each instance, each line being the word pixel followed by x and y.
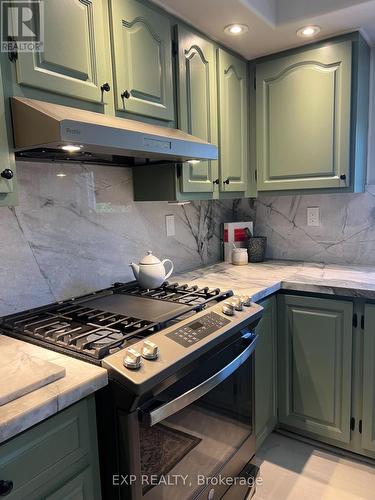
pixel 142 51
pixel 303 119
pixel 197 106
pixel 233 124
pixel 73 62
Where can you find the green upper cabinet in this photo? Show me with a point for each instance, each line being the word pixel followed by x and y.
pixel 74 61
pixel 142 52
pixel 315 366
pixel 8 194
pixel 197 105
pixel 312 117
pixel 303 119
pixel 368 410
pixel 233 122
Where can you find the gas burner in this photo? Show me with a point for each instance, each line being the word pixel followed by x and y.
pixel 103 337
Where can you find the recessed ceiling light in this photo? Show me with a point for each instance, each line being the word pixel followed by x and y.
pixel 193 162
pixel 71 148
pixel 308 31
pixel 236 29
pixel 60 174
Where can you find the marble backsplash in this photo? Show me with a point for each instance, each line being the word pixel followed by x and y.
pixel 76 229
pixel 346 234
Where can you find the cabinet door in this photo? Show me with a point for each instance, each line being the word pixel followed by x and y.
pixel 197 102
pixel 7 186
pixel 368 411
pixel 74 62
pixel 41 459
pixel 142 50
pixel 265 373
pixel 315 366
pixel 233 111
pixel 81 487
pixel 303 119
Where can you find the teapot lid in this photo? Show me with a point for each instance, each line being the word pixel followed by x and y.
pixel 149 259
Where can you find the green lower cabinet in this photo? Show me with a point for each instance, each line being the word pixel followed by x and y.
pixel 265 373
pixel 315 367
pixel 368 397
pixel 56 459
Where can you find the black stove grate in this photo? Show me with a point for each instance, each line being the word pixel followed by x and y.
pixel 81 329
pixel 173 292
pixel 75 328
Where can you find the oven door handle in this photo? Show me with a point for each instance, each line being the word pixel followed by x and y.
pixel 171 407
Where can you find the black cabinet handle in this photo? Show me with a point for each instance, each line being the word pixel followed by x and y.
pixel 7 174
pixel 125 94
pixel 227 181
pixel 343 177
pixel 105 87
pixel 216 181
pixel 5 487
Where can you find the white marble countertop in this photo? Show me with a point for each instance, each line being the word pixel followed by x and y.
pixel 81 379
pixel 257 280
pixel 262 279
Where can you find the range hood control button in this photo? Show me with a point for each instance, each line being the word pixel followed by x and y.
pixel 228 308
pixel 150 350
pixel 132 359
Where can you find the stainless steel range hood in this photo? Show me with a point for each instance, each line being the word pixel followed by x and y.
pixel 42 128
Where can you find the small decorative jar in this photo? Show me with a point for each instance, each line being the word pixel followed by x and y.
pixel 240 256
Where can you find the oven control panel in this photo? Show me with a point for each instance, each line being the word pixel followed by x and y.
pixel 193 332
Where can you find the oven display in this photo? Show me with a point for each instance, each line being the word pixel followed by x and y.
pixel 192 333
pixel 196 325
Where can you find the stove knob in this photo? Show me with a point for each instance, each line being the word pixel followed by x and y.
pixel 228 308
pixel 150 350
pixel 246 300
pixel 238 303
pixel 132 359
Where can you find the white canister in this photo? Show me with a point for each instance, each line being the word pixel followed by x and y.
pixel 240 256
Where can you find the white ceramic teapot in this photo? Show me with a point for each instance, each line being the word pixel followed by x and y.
pixel 150 272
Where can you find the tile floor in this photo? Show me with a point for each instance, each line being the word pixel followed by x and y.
pixel 293 470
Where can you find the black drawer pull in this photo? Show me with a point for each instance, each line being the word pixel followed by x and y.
pixel 5 487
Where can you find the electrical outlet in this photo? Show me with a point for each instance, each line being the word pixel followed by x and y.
pixel 313 216
pixel 169 225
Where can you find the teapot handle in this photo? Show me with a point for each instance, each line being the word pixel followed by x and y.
pixel 171 270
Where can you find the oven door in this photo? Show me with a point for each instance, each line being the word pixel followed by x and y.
pixel 201 428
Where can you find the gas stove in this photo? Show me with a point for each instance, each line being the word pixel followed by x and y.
pixel 97 325
pixel 180 364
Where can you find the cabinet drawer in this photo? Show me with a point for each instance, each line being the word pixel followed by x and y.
pixel 43 458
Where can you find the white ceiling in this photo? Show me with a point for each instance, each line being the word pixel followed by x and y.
pixel 273 23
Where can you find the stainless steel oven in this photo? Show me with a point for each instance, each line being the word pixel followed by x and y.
pixel 190 438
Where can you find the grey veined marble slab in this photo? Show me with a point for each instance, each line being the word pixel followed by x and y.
pixel 263 279
pixel 81 379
